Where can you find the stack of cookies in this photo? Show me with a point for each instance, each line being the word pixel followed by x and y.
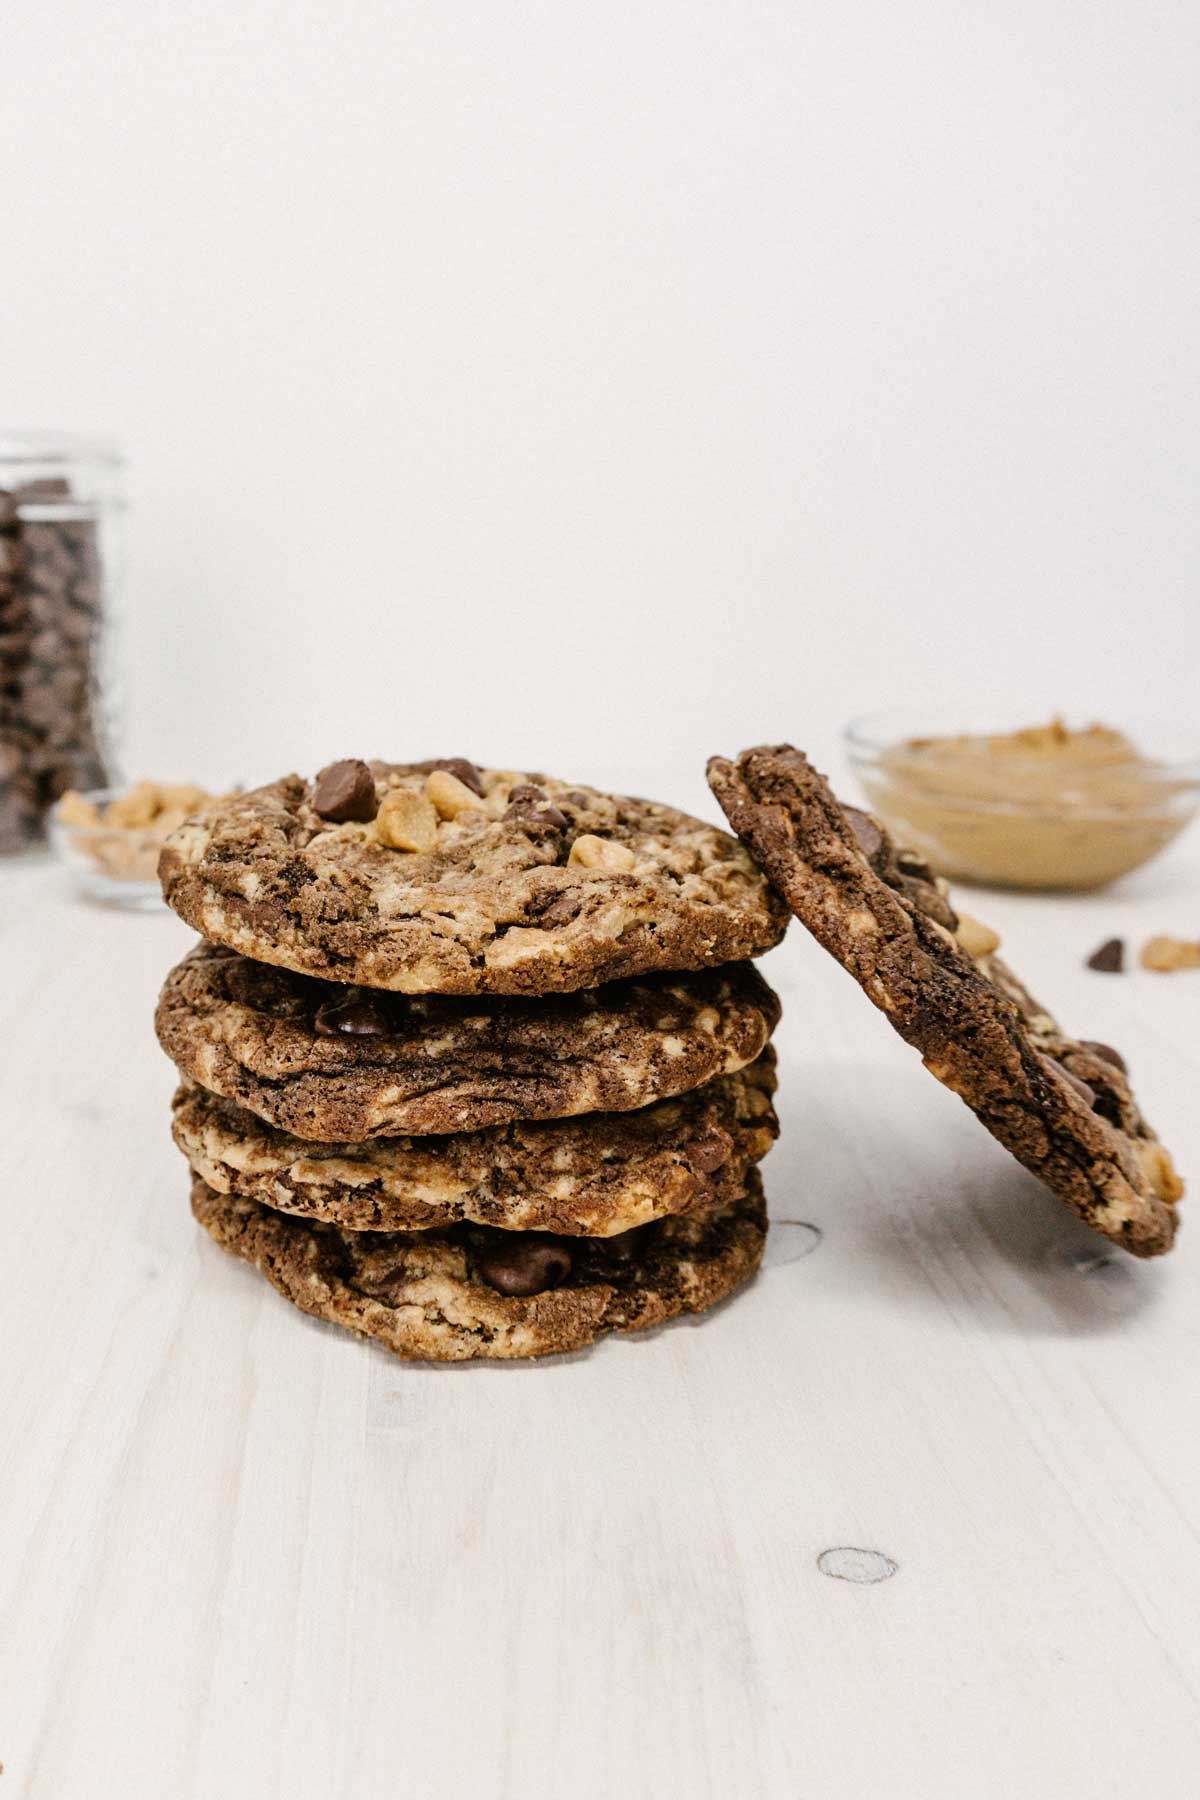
pixel 473 1062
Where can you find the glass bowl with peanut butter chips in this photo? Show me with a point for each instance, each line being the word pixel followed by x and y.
pixel 1062 1105
pixel 1006 803
pixel 110 838
pixel 446 877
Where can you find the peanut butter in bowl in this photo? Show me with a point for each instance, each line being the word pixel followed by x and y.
pixel 1039 806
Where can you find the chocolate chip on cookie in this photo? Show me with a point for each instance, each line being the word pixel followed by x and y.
pixel 345 791
pixel 560 910
pixel 1086 1094
pixel 867 834
pixel 353 1017
pixel 465 771
pixel 533 806
pixel 710 1151
pixel 518 1262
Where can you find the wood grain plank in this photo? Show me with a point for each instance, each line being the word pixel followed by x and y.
pixel 243 1554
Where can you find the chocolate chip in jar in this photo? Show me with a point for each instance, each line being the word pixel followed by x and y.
pixel 58 504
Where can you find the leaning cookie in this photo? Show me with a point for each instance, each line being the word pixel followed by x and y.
pixel 1063 1107
pixel 446 878
pixel 334 1063
pixel 596 1176
pixel 448 1296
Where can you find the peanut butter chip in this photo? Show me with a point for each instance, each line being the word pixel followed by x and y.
pixel 73 809
pixel 406 821
pixel 1166 954
pixel 1160 1170
pixel 449 795
pixel 588 852
pixel 141 818
pixel 138 807
pixel 976 938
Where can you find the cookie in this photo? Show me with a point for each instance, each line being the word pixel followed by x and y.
pixel 345 1064
pixel 448 1296
pixel 444 878
pixel 1062 1106
pixel 596 1176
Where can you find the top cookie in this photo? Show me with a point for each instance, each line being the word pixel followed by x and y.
pixel 1062 1106
pixel 439 877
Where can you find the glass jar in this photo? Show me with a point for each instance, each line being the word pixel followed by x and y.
pixel 61 508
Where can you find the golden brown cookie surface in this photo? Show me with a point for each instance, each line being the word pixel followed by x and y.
pixel 427 878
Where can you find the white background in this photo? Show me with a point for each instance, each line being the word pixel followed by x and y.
pixel 592 385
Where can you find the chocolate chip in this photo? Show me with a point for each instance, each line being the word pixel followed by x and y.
pixel 710 1151
pixel 866 832
pixel 1109 959
pixel 344 791
pixel 50 605
pixel 526 1265
pixel 351 1018
pixel 561 910
pixel 618 1251
pixel 533 806
pixel 1081 1087
pixel 930 900
pixel 909 863
pixel 466 772
pixel 1106 1053
pixel 46 487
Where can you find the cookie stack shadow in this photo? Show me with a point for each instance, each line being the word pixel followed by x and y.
pixel 474 1143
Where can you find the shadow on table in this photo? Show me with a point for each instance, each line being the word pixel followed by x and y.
pixel 955 1222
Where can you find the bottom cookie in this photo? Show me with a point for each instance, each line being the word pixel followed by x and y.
pixel 448 1296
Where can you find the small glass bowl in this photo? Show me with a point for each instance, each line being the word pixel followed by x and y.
pixel 1014 818
pixel 115 864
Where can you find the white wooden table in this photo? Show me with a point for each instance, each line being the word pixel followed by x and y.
pixel 242 1554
